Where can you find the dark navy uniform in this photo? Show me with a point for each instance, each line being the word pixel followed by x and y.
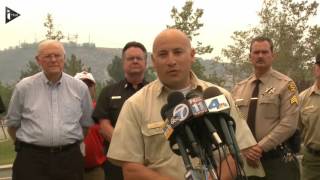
pixel 108 107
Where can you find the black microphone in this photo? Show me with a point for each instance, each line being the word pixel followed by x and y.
pixel 213 131
pixel 181 112
pixel 177 137
pixel 218 107
pixel 164 111
pixel 199 126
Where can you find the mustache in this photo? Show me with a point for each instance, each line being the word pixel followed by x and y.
pixel 260 60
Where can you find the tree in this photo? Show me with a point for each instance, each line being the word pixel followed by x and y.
pixel 74 65
pixel 296 42
pixel 188 21
pixel 99 87
pixel 31 69
pixel 150 74
pixel 199 69
pixel 115 70
pixel 6 92
pixel 51 32
pixel 239 66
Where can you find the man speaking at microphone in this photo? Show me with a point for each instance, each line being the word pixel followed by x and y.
pixel 138 143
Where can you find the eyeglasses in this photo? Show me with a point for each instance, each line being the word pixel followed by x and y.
pixel 49 57
pixel 133 58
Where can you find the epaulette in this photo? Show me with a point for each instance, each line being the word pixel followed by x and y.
pixel 280 76
pixel 245 80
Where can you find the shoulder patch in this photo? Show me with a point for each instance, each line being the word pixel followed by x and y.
pixel 292 87
pixel 294 100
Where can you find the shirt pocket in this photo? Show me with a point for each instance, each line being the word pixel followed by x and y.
pixel 72 109
pixel 156 146
pixel 243 106
pixel 269 107
pixel 309 114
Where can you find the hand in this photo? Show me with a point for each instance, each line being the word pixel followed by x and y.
pixel 106 129
pixel 253 155
pixel 251 163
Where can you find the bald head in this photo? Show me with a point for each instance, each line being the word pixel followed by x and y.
pixel 172 57
pixel 49 43
pixel 169 34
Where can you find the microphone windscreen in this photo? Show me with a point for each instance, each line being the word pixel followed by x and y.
pixel 164 110
pixel 211 92
pixel 193 94
pixel 174 99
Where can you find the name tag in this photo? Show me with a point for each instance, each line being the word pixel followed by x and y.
pixel 308 107
pixel 154 125
pixel 237 100
pixel 115 97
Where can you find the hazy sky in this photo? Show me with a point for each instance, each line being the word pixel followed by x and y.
pixel 113 23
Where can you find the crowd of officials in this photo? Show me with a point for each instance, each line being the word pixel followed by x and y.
pixel 62 133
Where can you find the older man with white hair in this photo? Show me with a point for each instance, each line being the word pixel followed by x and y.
pixel 46 118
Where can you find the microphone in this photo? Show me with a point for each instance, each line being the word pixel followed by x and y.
pixel 199 122
pixel 210 127
pixel 198 113
pixel 175 112
pixel 180 114
pixel 167 113
pixel 173 99
pixel 218 106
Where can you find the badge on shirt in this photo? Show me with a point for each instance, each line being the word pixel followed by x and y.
pixel 294 100
pixel 269 91
pixel 115 97
pixel 292 87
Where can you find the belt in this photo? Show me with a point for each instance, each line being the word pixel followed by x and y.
pixel 313 151
pixel 274 153
pixel 53 149
pixel 92 168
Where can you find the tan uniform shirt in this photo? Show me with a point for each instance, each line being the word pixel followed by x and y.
pixel 277 107
pixel 138 135
pixel 309 122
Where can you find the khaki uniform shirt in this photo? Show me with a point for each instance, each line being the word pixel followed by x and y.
pixel 277 107
pixel 138 135
pixel 309 122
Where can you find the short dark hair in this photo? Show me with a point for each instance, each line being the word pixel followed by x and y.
pixel 318 58
pixel 134 44
pixel 262 38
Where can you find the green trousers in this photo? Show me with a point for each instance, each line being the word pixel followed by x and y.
pixel 310 166
pixel 278 169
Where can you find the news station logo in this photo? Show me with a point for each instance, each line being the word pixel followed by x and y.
pixel 180 113
pixel 10 15
pixel 218 103
pixel 198 106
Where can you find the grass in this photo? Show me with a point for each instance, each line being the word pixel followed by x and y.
pixel 7 153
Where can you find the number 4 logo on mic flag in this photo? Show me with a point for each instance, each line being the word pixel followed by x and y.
pixel 218 103
pixel 214 104
pixel 11 15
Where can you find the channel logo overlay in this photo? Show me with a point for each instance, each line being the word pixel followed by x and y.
pixel 10 15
